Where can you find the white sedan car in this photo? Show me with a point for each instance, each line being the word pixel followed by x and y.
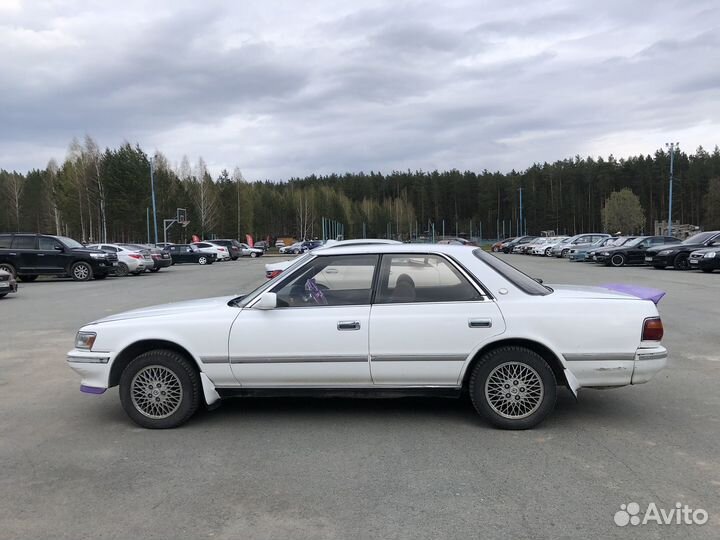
pixel 130 261
pixel 221 252
pixel 545 248
pixel 385 319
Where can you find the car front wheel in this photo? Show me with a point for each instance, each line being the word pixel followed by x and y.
pixel 253 254
pixel 122 270
pixel 202 260
pixel 160 389
pixel 617 260
pixel 682 262
pixel 513 388
pixel 81 271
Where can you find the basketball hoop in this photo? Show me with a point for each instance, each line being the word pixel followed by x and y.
pixel 184 224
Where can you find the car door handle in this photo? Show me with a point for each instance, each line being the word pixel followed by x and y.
pixel 331 271
pixel 480 323
pixel 348 325
pixel 41 254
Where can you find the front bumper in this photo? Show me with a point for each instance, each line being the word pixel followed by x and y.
pixel 93 367
pixel 705 264
pixel 657 260
pixel 8 287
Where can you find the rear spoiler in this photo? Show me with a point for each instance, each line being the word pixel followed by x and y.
pixel 645 293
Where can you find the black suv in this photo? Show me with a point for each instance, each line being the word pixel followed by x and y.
pixel 28 256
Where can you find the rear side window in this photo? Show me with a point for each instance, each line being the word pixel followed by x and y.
pixel 422 278
pixel 23 242
pixel 5 240
pixel 521 280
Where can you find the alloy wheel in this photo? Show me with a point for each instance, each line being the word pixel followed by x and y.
pixel 514 390
pixel 156 392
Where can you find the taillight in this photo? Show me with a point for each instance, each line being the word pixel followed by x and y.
pixel 222 249
pixel 272 273
pixel 135 256
pixel 652 329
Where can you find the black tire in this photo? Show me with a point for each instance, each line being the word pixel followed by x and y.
pixel 9 268
pixel 548 252
pixel 27 279
pixel 707 270
pixel 185 376
pixel 564 252
pixel 202 260
pixel 253 254
pixel 154 269
pixel 617 260
pixel 682 262
pixel 3 295
pixel 658 267
pixel 122 270
pixel 81 271
pixel 539 372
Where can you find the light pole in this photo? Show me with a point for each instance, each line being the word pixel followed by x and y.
pixel 671 148
pixel 522 225
pixel 152 191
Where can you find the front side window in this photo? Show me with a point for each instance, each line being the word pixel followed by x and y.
pixel 5 240
pixel 422 278
pixel 48 244
pixel 342 280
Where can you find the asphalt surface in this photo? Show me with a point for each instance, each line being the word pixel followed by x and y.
pixel 73 465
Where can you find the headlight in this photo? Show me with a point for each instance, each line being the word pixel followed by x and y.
pixel 665 252
pixel 605 253
pixel 85 340
pixel 710 255
pixel 99 255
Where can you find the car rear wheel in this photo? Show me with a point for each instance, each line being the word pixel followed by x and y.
pixel 81 271
pixel 681 262
pixel 202 260
pixel 513 388
pixel 122 270
pixel 160 389
pixel 617 260
pixel 27 279
pixel 9 268
pixel 253 254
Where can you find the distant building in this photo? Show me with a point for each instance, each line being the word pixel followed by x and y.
pixel 678 231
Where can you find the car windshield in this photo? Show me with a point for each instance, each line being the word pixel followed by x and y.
pixel 634 242
pixel 699 238
pixel 69 242
pixel 521 280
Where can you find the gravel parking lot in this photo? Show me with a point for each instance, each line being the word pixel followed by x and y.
pixel 74 466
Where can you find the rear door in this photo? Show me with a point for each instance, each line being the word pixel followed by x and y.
pixel 24 246
pixel 426 321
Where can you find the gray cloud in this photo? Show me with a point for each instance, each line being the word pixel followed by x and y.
pixel 282 89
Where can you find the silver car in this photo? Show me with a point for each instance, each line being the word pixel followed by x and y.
pixel 563 249
pixel 130 261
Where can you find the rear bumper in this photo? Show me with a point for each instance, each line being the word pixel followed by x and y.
pixel 162 263
pixel 614 370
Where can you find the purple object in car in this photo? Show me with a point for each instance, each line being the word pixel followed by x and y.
pixel 91 389
pixel 646 293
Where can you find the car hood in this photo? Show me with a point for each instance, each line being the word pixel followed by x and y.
pixel 175 308
pixel 658 249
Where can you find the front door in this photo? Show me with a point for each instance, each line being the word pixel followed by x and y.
pixel 426 321
pixel 318 333
pixel 50 255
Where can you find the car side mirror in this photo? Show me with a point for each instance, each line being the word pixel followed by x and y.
pixel 267 301
pixel 59 248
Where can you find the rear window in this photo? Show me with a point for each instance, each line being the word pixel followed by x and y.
pixel 24 242
pixel 521 280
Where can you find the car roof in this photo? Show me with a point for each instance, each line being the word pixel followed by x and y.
pixel 395 248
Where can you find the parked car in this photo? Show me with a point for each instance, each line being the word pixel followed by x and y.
pixel 706 260
pixel 508 351
pixel 130 261
pixel 8 283
pixel 678 255
pixel 220 252
pixel 523 248
pixel 585 251
pixel 233 246
pixel 615 241
pixel 188 253
pixel 498 246
pixel 457 242
pixel 247 251
pixel 545 247
pixel 508 247
pixel 280 244
pixel 562 250
pixel 262 244
pixel 292 248
pixel 631 252
pixel 155 258
pixel 28 255
pixel 275 269
pixel 310 245
pixel 164 245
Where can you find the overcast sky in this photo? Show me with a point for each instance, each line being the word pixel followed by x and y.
pixel 288 88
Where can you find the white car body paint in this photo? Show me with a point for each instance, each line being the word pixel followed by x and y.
pixel 594 333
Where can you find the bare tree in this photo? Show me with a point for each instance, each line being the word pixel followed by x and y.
pixel 14 190
pixel 52 172
pixel 237 177
pixel 93 158
pixel 205 198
